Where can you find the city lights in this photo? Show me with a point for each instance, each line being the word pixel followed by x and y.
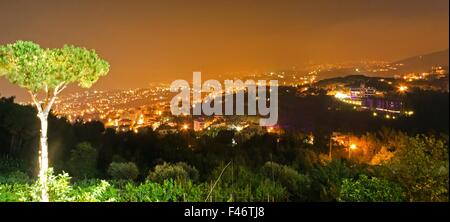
pixel 340 95
pixel 289 101
pixel 402 88
pixel 409 113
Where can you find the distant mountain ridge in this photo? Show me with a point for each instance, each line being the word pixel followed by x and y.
pixel 422 63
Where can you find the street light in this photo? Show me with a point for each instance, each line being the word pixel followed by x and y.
pixel 402 88
pixel 352 147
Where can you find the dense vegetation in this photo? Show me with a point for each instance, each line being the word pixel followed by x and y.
pixel 392 164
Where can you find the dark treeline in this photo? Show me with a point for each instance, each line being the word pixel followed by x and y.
pixel 290 152
pixel 318 114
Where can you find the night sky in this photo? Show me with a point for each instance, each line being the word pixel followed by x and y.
pixel 152 41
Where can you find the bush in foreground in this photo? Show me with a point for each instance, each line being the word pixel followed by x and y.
pixel 373 189
pixel 61 190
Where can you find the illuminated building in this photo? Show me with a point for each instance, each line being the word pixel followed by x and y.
pixel 362 92
pixel 382 104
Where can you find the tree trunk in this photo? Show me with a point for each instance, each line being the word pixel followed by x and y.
pixel 43 156
pixel 43 109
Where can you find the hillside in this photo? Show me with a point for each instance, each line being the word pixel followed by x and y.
pixel 423 63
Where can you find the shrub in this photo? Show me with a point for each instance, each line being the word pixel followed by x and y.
pixel 181 172
pixel 94 191
pixel 8 165
pixel 83 161
pixel 123 171
pixel 298 185
pixel 168 190
pixel 238 183
pixel 370 190
pixel 15 192
pixel 237 175
pixel 192 172
pixel 235 184
pixel 270 191
pixel 327 180
pixel 15 177
pixel 59 188
pixel 422 168
pixel 230 193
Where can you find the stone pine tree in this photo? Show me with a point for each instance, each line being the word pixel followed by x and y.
pixel 47 72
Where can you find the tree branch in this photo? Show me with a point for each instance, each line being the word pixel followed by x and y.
pixel 38 105
pixel 60 88
pixel 56 91
pixel 50 103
